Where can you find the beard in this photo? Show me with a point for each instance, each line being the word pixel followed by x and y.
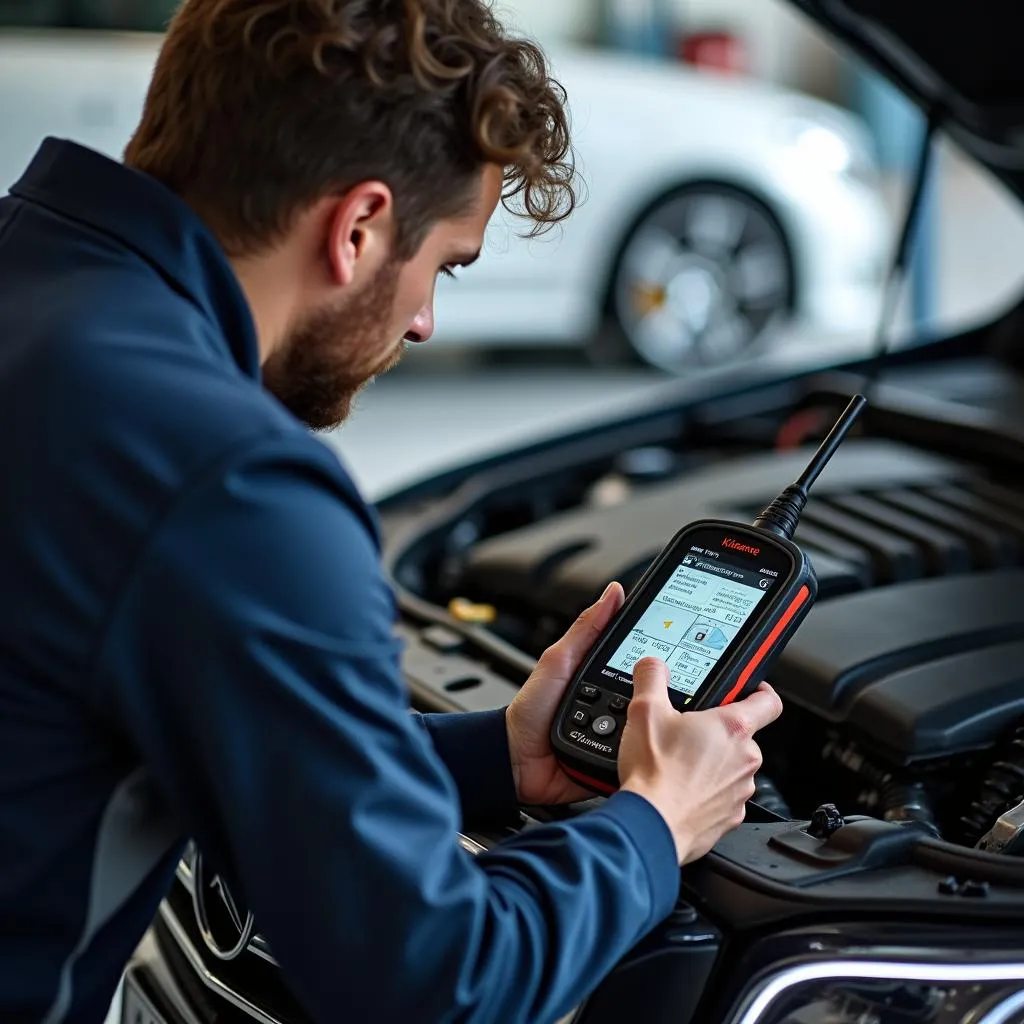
pixel 334 352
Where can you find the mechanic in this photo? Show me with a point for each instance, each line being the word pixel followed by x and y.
pixel 197 638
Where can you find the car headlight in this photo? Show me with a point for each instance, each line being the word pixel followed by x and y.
pixel 887 992
pixel 818 145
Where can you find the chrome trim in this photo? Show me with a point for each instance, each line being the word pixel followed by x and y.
pixel 880 970
pixel 1002 1013
pixel 211 981
pixel 184 873
pixel 257 945
pixel 245 928
pixel 470 845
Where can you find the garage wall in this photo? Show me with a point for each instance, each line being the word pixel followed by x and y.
pixel 783 45
pixel 552 19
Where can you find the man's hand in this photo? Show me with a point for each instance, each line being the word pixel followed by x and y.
pixel 538 776
pixel 697 769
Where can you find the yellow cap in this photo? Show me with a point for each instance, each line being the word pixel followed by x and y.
pixel 467 611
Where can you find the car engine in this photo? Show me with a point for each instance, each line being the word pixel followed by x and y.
pixel 905 686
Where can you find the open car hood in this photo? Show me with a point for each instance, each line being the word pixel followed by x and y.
pixel 959 60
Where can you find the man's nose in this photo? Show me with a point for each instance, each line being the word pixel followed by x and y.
pixel 423 326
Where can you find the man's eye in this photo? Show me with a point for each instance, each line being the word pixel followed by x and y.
pixel 448 272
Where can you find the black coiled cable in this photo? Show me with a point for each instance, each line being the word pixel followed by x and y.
pixel 1001 789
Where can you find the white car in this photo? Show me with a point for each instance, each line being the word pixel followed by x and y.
pixel 716 209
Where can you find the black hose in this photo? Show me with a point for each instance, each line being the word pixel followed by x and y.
pixel 1001 789
pixel 767 795
pixel 893 798
pixel 907 801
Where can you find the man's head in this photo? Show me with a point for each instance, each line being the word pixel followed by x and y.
pixel 346 152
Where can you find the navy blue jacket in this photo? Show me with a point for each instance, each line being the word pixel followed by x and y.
pixel 196 640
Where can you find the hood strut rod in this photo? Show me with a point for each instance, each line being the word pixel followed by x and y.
pixel 901 261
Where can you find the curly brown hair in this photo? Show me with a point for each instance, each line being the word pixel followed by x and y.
pixel 258 108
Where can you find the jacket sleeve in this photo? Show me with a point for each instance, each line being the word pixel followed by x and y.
pixel 251 661
pixel 474 749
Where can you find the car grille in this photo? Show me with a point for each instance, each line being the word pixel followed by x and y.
pixel 248 988
pixel 251 985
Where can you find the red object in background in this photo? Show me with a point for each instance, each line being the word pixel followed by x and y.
pixel 720 51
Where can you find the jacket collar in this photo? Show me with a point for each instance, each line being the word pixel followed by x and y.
pixel 148 218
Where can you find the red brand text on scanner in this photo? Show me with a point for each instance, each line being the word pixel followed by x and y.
pixel 735 545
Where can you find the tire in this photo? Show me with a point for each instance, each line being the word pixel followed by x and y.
pixel 703 278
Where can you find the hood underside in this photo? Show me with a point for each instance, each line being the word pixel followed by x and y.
pixel 959 61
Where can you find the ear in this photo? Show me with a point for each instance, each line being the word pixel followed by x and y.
pixel 360 230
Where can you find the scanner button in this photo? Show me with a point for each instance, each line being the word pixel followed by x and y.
pixel 588 693
pixel 618 704
pixel 579 716
pixel 604 725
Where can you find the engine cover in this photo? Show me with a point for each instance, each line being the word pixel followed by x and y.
pixel 561 563
pixel 917 670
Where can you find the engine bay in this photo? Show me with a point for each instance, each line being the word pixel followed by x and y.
pixel 904 689
pixel 901 749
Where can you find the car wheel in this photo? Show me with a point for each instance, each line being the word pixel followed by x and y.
pixel 702 278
